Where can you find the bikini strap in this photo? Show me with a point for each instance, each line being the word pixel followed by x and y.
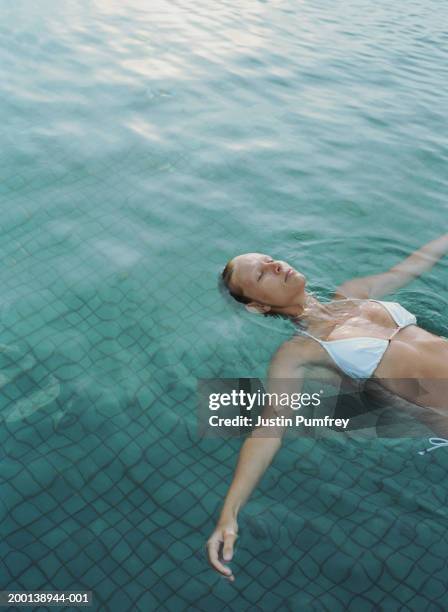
pixel 436 442
pixel 305 333
pixel 394 333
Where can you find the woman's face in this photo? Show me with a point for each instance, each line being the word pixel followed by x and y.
pixel 267 281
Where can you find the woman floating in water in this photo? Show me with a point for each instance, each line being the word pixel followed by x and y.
pixel 354 334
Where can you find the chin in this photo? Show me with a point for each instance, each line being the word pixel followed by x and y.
pixel 301 280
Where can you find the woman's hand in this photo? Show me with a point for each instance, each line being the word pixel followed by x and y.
pixel 225 534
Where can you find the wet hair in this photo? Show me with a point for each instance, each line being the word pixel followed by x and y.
pixel 226 276
pixel 225 279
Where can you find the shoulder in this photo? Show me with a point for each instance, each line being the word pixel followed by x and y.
pixel 373 286
pixel 356 288
pixel 294 353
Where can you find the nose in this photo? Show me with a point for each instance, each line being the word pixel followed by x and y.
pixel 275 266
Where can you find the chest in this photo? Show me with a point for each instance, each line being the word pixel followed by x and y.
pixel 369 319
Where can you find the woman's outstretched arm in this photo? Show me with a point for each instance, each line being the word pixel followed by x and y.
pixel 256 454
pixel 398 276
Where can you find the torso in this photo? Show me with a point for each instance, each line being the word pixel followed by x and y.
pixel 413 353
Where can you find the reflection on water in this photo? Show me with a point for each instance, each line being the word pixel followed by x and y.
pixel 26 406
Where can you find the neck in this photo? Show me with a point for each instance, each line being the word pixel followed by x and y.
pixel 309 308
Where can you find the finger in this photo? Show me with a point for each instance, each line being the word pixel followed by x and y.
pixel 229 540
pixel 213 548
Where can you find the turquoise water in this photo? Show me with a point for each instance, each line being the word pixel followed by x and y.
pixel 143 145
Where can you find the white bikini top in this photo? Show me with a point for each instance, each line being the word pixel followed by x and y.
pixel 359 357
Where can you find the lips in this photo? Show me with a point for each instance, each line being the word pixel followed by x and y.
pixel 288 274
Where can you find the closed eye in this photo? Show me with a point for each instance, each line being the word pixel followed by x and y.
pixel 270 260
